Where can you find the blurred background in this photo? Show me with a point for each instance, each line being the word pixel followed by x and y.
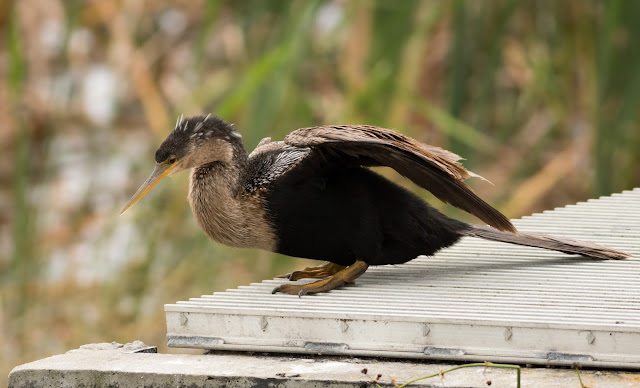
pixel 540 97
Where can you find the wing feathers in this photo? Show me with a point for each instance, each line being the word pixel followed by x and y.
pixel 269 161
pixel 433 168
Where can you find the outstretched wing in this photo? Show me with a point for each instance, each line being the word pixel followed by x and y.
pixel 432 168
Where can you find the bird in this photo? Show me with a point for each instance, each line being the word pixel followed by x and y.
pixel 313 195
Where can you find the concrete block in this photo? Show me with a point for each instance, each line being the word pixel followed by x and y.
pixel 135 365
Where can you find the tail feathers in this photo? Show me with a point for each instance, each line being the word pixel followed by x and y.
pixel 560 244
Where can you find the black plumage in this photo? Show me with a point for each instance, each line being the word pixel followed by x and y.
pixel 347 214
pixel 313 196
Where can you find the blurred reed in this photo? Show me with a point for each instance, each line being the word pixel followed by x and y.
pixel 540 97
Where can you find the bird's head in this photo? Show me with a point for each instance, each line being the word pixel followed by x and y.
pixel 194 142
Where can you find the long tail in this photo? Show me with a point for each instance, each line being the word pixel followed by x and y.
pixel 560 244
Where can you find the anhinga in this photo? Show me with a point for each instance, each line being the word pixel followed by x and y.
pixel 312 196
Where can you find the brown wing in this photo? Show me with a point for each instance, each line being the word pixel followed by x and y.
pixel 432 168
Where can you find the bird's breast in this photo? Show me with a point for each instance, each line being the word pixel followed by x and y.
pixel 231 219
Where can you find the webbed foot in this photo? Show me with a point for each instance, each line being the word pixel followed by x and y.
pixel 339 279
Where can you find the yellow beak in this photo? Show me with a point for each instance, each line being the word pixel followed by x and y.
pixel 161 171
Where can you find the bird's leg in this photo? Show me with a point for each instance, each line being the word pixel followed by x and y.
pixel 324 270
pixel 339 279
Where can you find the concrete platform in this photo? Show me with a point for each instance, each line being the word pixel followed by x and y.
pixel 132 365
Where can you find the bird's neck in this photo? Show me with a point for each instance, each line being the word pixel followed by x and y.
pixel 225 213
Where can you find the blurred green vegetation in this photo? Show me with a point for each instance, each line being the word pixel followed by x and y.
pixel 540 97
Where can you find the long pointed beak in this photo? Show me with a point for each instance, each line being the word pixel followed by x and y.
pixel 161 171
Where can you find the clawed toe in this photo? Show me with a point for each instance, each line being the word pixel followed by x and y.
pixel 307 289
pixel 340 278
pixel 291 289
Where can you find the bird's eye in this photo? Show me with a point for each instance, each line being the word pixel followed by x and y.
pixel 172 159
